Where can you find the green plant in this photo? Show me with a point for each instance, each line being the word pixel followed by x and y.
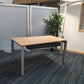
pixel 53 23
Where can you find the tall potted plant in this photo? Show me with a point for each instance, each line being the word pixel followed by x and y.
pixel 54 23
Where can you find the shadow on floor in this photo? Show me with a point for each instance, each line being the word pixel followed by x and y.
pixel 32 64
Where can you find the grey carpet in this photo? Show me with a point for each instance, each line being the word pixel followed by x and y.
pixel 41 68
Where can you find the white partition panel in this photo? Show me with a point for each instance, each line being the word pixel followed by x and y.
pixel 13 23
pixel 37 14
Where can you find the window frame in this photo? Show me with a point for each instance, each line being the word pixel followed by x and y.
pixel 81 15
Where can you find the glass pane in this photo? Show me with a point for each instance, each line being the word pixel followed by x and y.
pixel 82 21
pixel 81 24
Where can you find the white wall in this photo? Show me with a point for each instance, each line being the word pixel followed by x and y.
pixel 7 1
pixel 75 38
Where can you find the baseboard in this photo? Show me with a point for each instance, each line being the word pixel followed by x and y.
pixel 72 51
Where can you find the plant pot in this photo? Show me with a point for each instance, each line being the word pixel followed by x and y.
pixel 55 33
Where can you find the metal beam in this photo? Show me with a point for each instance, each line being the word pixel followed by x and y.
pixel 31 1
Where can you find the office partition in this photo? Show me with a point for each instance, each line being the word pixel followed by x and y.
pixel 37 14
pixel 21 21
pixel 13 23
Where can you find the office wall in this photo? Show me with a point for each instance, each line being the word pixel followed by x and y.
pixel 75 38
pixel 6 1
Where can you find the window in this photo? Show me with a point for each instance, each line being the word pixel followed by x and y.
pixel 81 22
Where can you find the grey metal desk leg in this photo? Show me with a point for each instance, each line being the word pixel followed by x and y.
pixel 12 50
pixel 65 45
pixel 22 61
pixel 61 48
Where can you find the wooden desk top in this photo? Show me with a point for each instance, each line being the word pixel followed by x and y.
pixel 25 41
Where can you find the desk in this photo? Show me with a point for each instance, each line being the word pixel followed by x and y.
pixel 32 41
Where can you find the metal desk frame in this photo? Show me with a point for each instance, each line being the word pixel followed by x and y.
pixel 22 54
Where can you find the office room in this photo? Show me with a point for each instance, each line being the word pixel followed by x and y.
pixel 41 41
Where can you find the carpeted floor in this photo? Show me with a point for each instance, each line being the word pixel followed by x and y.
pixel 41 68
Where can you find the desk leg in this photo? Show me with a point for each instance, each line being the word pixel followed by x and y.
pixel 65 45
pixel 22 61
pixel 61 48
pixel 12 50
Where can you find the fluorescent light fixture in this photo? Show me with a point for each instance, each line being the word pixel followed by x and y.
pixel 75 3
pixel 72 0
